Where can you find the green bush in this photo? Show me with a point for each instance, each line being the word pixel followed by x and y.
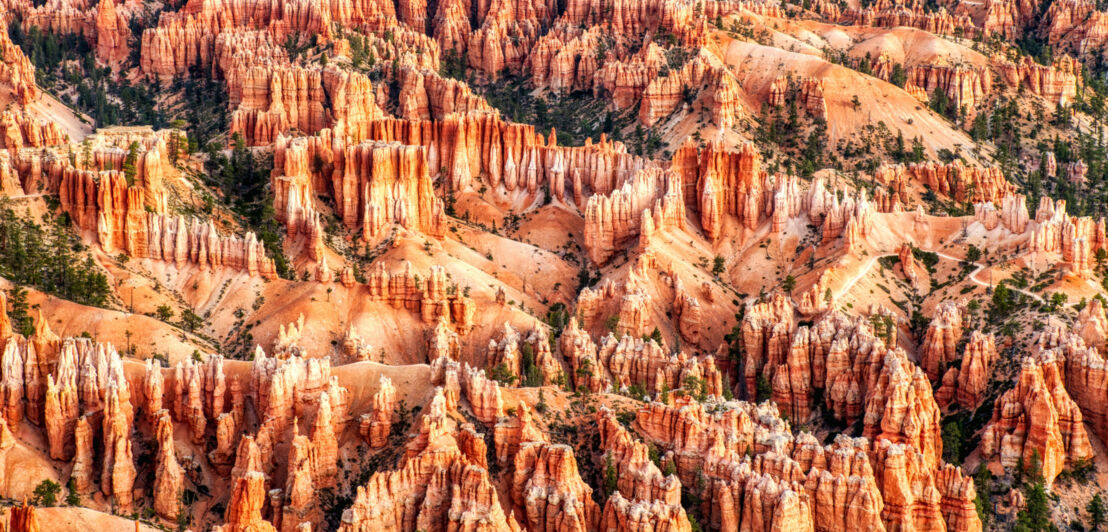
pixel 46 493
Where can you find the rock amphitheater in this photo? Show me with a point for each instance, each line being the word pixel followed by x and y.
pixel 578 265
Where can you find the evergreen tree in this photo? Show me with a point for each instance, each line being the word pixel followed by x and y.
pixel 129 168
pixel 1096 511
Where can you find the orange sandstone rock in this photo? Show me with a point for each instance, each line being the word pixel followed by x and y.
pixel 1037 417
pixel 380 421
pixel 23 519
pixel 111 34
pixel 168 474
pixel 244 511
pixel 548 492
pixel 962 183
pixel 941 339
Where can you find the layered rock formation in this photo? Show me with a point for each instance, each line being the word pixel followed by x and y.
pixel 1013 214
pixel 270 100
pixel 472 150
pixel 1037 420
pixel 127 210
pixel 1075 239
pixel 1086 379
pixel 639 478
pixel 374 185
pixel 650 201
pixel 940 342
pixel 276 425
pixel 1057 82
pixel 375 427
pixel 112 33
pixel 23 519
pixel 792 481
pixel 548 492
pixel 837 357
pixel 300 503
pixel 438 481
pixel 22 129
pixel 633 363
pixel 965 86
pixel 664 95
pixel 961 183
pixel 434 299
pixel 244 511
pixel 966 385
pixel 940 22
pixel 17 71
pixel 901 409
pixel 169 476
pixel 520 356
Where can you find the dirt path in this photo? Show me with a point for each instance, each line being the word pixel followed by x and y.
pixel 972 276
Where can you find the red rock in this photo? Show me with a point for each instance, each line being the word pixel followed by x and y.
pixel 437 482
pixel 244 511
pixel 17 71
pixel 632 361
pixel 939 22
pixel 901 409
pixel 962 183
pixel 380 421
pixel 61 413
pixel 483 394
pixel 225 432
pixel 512 432
pixel 82 472
pixel 430 300
pixel 912 500
pixel 547 490
pixel 168 475
pixel 1037 417
pixel 1057 82
pixel 111 34
pixel 22 129
pixel 977 361
pixel 778 91
pixel 964 86
pixel 811 98
pixel 639 478
pixel 664 95
pixel 1093 324
pixel 628 19
pixel 908 265
pixel 23 519
pixel 5 321
pixel 325 448
pixel 399 191
pixel 940 342
pixel 623 515
pixel 300 501
pixel 424 95
pixel 767 329
pixel 117 476
pixel 512 348
pixel 566 59
pixel 611 221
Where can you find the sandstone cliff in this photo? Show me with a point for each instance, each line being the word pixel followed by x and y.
pixel 437 482
pixel 959 182
pixel 1037 418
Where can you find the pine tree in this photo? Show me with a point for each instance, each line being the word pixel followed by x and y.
pixel 129 168
pixel 1096 511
